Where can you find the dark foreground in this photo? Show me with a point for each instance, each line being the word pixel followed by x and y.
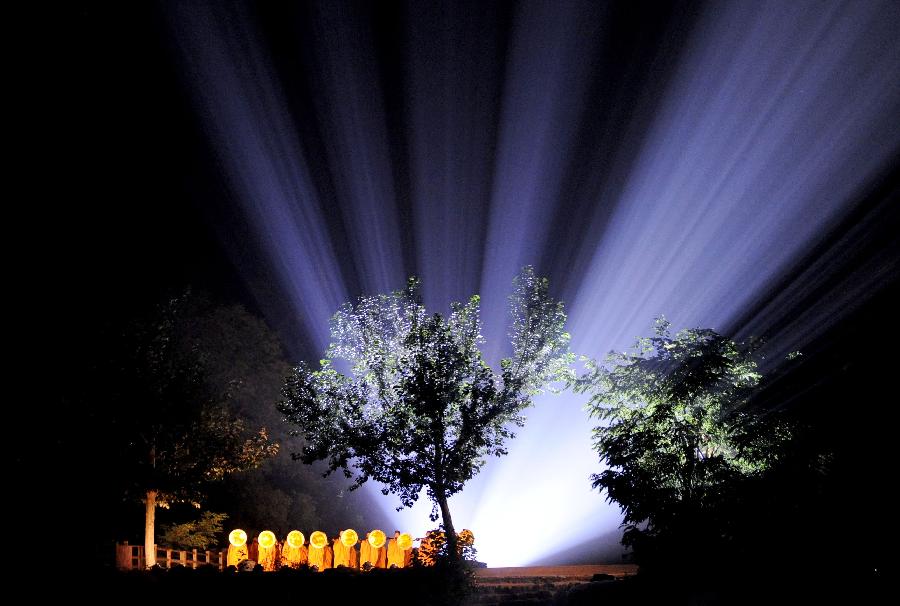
pixel 621 585
pixel 551 586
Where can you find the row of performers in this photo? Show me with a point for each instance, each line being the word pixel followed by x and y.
pixel 375 550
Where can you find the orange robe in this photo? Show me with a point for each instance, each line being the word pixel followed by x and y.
pixel 364 549
pixel 329 557
pixel 316 557
pixel 268 557
pixel 376 557
pixel 395 555
pixel 341 554
pixel 236 554
pixel 293 557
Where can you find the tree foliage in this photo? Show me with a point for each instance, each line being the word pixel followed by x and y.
pixel 181 432
pixel 421 409
pixel 677 433
pixel 433 548
pixel 196 534
pixel 242 357
pixel 174 431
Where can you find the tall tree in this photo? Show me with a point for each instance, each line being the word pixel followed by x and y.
pixel 677 432
pixel 421 408
pixel 179 431
pixel 241 355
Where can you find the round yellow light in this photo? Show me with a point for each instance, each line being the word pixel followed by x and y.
pixel 318 539
pixel 237 537
pixel 377 539
pixel 267 539
pixel 404 541
pixel 349 537
pixel 296 539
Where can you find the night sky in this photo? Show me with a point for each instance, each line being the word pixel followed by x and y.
pixel 731 165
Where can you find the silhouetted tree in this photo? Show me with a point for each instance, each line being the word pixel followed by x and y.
pixel 677 434
pixel 421 407
pixel 241 355
pixel 180 433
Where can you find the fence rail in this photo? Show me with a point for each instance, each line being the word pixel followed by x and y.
pixel 131 557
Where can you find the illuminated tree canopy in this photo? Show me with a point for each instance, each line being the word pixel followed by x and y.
pixel 677 431
pixel 201 533
pixel 421 408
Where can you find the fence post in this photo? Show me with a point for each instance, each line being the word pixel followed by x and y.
pixel 194 563
pixel 168 558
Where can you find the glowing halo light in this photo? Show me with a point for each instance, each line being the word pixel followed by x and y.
pixel 404 541
pixel 296 539
pixel 318 539
pixel 267 539
pixel 237 537
pixel 349 537
pixel 377 539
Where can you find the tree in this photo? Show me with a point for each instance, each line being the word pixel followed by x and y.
pixel 242 356
pixel 180 433
pixel 677 433
pixel 196 534
pixel 421 408
pixel 433 547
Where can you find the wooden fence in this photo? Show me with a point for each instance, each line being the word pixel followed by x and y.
pixel 131 557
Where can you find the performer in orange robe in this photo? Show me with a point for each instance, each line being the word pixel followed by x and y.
pixel 268 557
pixel 375 557
pixel 236 554
pixel 316 557
pixel 294 557
pixel 341 552
pixel 394 557
pixel 364 549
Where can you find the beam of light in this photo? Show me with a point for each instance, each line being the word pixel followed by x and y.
pixel 453 83
pixel 348 97
pixel 544 94
pixel 763 141
pixel 253 137
pixel 764 136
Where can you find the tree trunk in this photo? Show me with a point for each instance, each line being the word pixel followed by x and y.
pixel 149 524
pixel 449 531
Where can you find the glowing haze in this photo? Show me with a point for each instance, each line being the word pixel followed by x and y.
pixel 679 165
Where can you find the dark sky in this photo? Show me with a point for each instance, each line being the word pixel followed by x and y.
pixel 731 165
